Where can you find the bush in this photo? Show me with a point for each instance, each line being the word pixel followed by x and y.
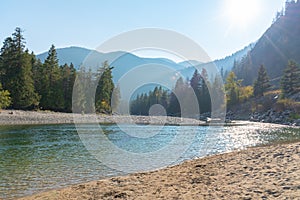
pixel 5 99
pixel 287 104
pixel 245 93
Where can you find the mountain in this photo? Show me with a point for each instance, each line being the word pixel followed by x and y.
pixel 226 64
pixel 223 65
pixel 124 63
pixel 190 63
pixel 68 55
pixel 280 43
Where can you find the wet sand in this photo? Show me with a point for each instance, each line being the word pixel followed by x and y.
pixel 271 172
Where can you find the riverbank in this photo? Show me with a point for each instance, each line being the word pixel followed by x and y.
pixel 20 117
pixel 268 172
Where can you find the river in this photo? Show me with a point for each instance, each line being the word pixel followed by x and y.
pixel 35 158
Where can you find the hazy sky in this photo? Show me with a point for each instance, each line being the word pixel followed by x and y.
pixel 221 27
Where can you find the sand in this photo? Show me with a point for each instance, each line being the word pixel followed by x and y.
pixel 271 172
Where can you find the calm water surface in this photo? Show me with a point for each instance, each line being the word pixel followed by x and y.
pixel 39 158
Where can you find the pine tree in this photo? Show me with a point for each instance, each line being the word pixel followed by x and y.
pixel 51 90
pixel 104 89
pixel 38 75
pixel 205 102
pixel 79 99
pixel 290 82
pixel 195 81
pixel 16 69
pixel 175 97
pixel 196 84
pixel 261 84
pixel 115 101
pixel 68 78
pixel 218 93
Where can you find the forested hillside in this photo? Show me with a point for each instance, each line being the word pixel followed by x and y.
pixel 280 43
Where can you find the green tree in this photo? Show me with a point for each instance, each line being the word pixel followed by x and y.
pixel 261 84
pixel 232 89
pixel 50 88
pixel 200 85
pixel 5 99
pixel 16 69
pixel 205 101
pixel 245 93
pixel 177 94
pixel 79 100
pixel 104 89
pixel 115 101
pixel 195 82
pixel 68 74
pixel 218 93
pixel 290 82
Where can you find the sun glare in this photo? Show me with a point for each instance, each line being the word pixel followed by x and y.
pixel 242 12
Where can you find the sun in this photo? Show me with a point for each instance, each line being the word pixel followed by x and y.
pixel 241 13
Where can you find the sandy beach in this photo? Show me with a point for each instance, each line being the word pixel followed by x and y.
pixel 270 172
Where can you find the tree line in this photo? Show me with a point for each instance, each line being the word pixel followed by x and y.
pixel 177 100
pixel 180 99
pixel 27 83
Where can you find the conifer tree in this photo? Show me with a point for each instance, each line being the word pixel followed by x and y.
pixel 290 82
pixel 104 89
pixel 115 101
pixel 68 79
pixel 16 69
pixel 177 93
pixel 218 93
pixel 261 84
pixel 51 90
pixel 79 99
pixel 205 102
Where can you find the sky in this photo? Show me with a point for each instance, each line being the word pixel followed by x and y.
pixel 220 27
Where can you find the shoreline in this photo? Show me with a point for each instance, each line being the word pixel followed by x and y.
pixel 271 171
pixel 20 117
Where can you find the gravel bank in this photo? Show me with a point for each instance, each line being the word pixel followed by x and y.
pixel 14 117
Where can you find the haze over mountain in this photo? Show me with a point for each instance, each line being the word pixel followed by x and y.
pixel 124 61
pixel 278 44
pixel 223 65
pixel 121 61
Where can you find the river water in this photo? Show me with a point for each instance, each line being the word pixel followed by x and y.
pixel 35 158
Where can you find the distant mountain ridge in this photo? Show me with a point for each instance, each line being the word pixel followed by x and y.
pixel 121 61
pixel 223 65
pixel 124 61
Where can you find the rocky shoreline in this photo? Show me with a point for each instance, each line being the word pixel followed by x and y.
pixel 271 116
pixel 20 117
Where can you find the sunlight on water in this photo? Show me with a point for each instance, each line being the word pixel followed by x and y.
pixel 38 158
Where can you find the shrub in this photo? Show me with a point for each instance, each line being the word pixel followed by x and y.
pixel 287 104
